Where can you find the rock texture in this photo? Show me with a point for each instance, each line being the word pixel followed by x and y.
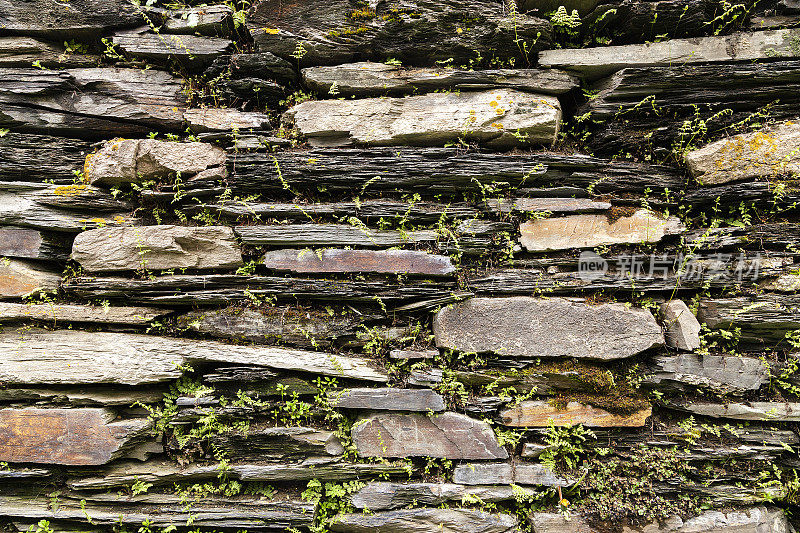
pixel 419 520
pixel 502 118
pixel 55 313
pixel 423 400
pixel 21 278
pixel 725 374
pixel 546 327
pixel 378 496
pixel 681 328
pixel 384 262
pixel 540 414
pixel 506 474
pixel 330 234
pixel 449 435
pixel 192 50
pixel 156 248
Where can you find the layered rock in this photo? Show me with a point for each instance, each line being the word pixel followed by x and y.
pixel 32 244
pixel 762 321
pixel 384 262
pixel 546 327
pixel 502 118
pixel 390 399
pixel 157 247
pixel 330 235
pixel 552 205
pixel 378 496
pixel 379 79
pixel 25 51
pixel 423 519
pixel 24 278
pixel 446 435
pixel 190 50
pixel 753 411
pixel 506 474
pixel 217 119
pixel 535 413
pixel 725 374
pixel 83 18
pixel 65 436
pixel 136 316
pixel 204 20
pixel 681 328
pixel 588 231
pixel 767 153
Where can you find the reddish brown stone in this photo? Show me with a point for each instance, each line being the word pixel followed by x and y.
pixel 64 436
pixel 379 261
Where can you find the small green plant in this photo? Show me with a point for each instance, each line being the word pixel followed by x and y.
pixel 566 446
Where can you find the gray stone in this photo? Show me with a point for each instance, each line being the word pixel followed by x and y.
pixel 446 435
pixel 388 399
pixel 588 231
pixel 379 496
pixel 539 413
pixel 682 329
pixel 488 117
pixel 544 6
pixel 24 278
pixel 787 283
pixel 425 520
pixel 190 50
pixel 425 377
pixel 413 354
pixel 82 18
pixel 754 411
pixel 211 119
pixel 205 20
pixel 378 261
pixel 507 473
pixel 546 327
pixel 133 160
pixel 330 235
pixel 55 313
pixel 157 248
pixel 67 357
pixel 380 79
pixel 725 374
pixel 768 153
pixel 24 51
pixel 598 62
pixel 533 450
pixel 553 205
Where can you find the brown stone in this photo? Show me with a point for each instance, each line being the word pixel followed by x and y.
pixel 65 436
pixel 22 278
pixel 378 261
pixel 79 313
pixel 537 413
pixel 447 435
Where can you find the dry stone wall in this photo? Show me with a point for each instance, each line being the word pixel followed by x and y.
pixel 481 266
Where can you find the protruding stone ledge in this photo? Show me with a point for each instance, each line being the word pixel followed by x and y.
pixel 498 119
pixel 388 399
pixel 546 327
pixel 553 205
pixel 446 435
pixel 88 18
pixel 55 313
pixel 380 495
pixel 377 261
pixel 537 413
pixel 330 235
pixel 157 248
pixel 24 51
pixel 24 278
pixel 588 231
pixel 506 473
pixel 27 243
pixel 753 411
pixel 218 119
pixel 682 329
pixel 767 153
pixel 133 160
pixel 724 374
pixel 65 436
pixel 379 79
pixel 426 519
pixel 204 20
pixel 190 50
pixel 594 63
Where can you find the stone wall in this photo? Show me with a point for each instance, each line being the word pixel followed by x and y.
pixel 399 266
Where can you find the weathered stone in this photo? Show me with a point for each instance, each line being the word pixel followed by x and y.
pixel 500 119
pixel 23 278
pixel 535 413
pixel 425 520
pixel 330 235
pixel 335 32
pixel 379 496
pixel 413 354
pixel 82 18
pixel 36 158
pixel 157 248
pixel 754 411
pixel 133 160
pixel 507 473
pixel 588 231
pixel 32 244
pixel 280 443
pixel 553 205
pixel 189 50
pixel 135 316
pixel 24 51
pixel 725 374
pixel 388 399
pixel 785 283
pixel 762 321
pixel 425 377
pixel 446 435
pixel 225 119
pixel 544 6
pixel 205 20
pixel 85 396
pixel 379 261
pixel 767 153
pixel 380 79
pixel 65 436
pixel 276 325
pixel 73 357
pixel 594 63
pixel 546 327
pixel 532 450
pixel 91 102
pixel 682 330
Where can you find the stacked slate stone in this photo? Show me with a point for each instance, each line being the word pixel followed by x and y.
pixel 339 265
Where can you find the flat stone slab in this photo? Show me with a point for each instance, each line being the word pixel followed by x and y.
pixel 23 51
pixel 767 153
pixel 379 79
pixel 537 413
pixel 330 235
pixel 425 520
pixel 134 160
pixel 191 50
pixel 507 473
pixel 588 231
pixel 594 63
pixel 27 243
pixel 413 354
pixel 138 316
pixel 24 278
pixel 725 374
pixel 491 118
pixel 546 327
pixel 67 357
pixel 211 119
pixel 65 436
pixel 553 205
pixel 86 17
pixel 388 399
pixel 157 248
pixel 681 327
pixel 205 20
pixel 446 435
pixel 375 261
pixel 382 495
pixel 754 411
